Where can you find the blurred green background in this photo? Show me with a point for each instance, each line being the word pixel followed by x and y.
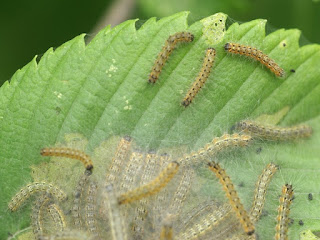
pixel 29 28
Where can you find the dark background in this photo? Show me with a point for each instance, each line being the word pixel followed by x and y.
pixel 29 28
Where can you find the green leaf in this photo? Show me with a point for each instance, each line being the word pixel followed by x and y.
pixel 101 90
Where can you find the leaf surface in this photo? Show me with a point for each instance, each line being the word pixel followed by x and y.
pixel 101 90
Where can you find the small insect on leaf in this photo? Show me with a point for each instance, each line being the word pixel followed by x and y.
pixel 283 213
pixel 232 195
pixel 152 187
pixel 33 188
pixel 166 51
pixel 57 216
pixel 256 54
pixel 36 216
pixel 90 209
pixel 201 78
pixel 115 168
pixel 69 153
pixel 78 196
pixel 218 145
pixel 203 219
pixel 261 190
pixel 271 132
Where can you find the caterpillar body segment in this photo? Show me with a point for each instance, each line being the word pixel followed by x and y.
pixel 181 192
pixel 152 187
pixel 78 199
pixel 37 215
pixel 166 51
pixel 201 78
pixel 33 188
pixel 276 133
pixel 118 161
pixel 57 216
pixel 232 195
pixel 111 204
pixel 91 209
pixel 132 171
pixel 203 221
pixel 69 153
pixel 216 146
pixel 256 54
pixel 282 226
pixel 261 190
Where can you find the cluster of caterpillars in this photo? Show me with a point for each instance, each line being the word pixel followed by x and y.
pixel 117 209
pixel 208 62
pixel 143 194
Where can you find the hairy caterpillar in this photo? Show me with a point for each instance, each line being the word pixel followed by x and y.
pixel 160 203
pixel 220 143
pixel 203 221
pixel 217 145
pixel 261 190
pixel 283 213
pixel 150 164
pixel 233 197
pixel 202 77
pixel 130 173
pixel 270 132
pixel 167 49
pixel 36 216
pixel 82 185
pixel 111 204
pixel 91 208
pixel 181 193
pixel 152 187
pixel 257 55
pixel 57 216
pixel 118 160
pixel 68 153
pixel 32 188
